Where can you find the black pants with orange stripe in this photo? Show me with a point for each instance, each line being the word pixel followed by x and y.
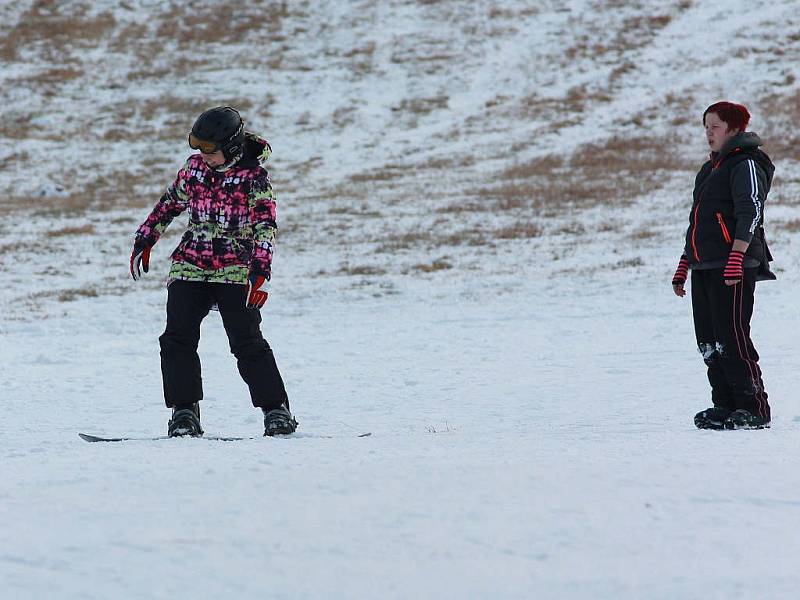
pixel 722 326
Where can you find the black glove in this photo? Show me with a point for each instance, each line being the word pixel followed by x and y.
pixel 140 259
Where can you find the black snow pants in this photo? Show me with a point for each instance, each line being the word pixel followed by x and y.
pixel 188 302
pixel 722 326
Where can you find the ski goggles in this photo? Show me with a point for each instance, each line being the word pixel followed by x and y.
pixel 205 147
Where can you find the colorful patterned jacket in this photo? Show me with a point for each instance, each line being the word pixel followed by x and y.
pixel 231 218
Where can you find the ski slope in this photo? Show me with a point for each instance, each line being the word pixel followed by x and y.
pixel 530 401
pixel 532 443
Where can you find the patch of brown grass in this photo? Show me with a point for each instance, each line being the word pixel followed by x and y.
pixel 363 270
pixel 362 210
pixel 16 249
pixel 440 264
pixel 132 37
pixel 560 112
pixel 614 172
pixel 465 206
pixel 394 242
pixel 518 231
pixel 104 192
pixel 790 226
pixel 368 49
pixel 636 155
pixel 344 116
pixel 609 226
pixel 205 24
pixel 430 240
pixel 584 189
pixel 17 126
pixel 574 228
pixel 42 23
pixel 580 96
pixel 643 234
pixel 627 263
pixel 631 33
pixel 471 236
pixel 73 205
pixel 67 231
pixel 781 114
pixel 541 166
pixel 622 70
pixel 124 221
pixel 73 294
pixel 421 106
pixel 49 77
pixel 386 173
pixel 360 60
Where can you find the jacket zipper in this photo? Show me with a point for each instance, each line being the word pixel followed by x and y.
pixel 725 233
pixel 694 232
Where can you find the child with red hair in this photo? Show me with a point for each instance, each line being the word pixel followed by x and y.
pixel 727 253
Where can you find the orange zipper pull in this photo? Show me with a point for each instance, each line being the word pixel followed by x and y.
pixel 725 233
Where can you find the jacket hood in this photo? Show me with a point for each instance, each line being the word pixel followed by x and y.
pixel 256 151
pixel 747 142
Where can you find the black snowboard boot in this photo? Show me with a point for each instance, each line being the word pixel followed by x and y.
pixel 712 418
pixel 742 419
pixel 185 421
pixel 279 421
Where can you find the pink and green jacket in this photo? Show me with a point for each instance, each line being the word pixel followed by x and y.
pixel 232 219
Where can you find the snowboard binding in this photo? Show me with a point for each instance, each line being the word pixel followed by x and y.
pixel 185 421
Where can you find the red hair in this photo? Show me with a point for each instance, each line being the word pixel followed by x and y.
pixel 734 115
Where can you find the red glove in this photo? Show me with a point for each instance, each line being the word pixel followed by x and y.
pixel 734 269
pixel 681 272
pixel 140 260
pixel 255 297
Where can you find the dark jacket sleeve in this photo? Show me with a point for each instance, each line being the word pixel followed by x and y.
pixel 748 188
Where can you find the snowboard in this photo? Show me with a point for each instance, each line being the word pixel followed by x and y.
pixel 214 438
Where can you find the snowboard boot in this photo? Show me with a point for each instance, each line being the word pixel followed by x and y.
pixel 185 421
pixel 712 418
pixel 279 421
pixel 743 419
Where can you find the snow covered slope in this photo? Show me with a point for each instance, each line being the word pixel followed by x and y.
pixel 406 134
pixel 481 205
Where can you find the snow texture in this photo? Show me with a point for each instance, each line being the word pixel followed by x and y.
pixel 530 405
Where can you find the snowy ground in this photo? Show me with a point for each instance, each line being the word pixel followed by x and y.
pixel 536 443
pixel 529 387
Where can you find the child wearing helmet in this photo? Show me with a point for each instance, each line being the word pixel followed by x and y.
pixel 223 260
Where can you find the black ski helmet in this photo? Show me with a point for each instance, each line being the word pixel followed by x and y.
pixel 219 128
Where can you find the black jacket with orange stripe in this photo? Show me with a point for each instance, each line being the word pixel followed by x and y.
pixel 729 195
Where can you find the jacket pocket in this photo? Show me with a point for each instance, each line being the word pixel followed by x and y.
pixel 725 233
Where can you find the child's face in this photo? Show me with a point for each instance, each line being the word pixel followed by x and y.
pixel 215 159
pixel 717 132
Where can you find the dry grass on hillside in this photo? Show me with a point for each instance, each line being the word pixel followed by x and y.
pixel 386 173
pixel 634 32
pixel 103 192
pixel 781 134
pixel 206 24
pixel 440 264
pixel 54 32
pixel 78 230
pixel 73 294
pixel 787 226
pixel 522 201
pixel 613 172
